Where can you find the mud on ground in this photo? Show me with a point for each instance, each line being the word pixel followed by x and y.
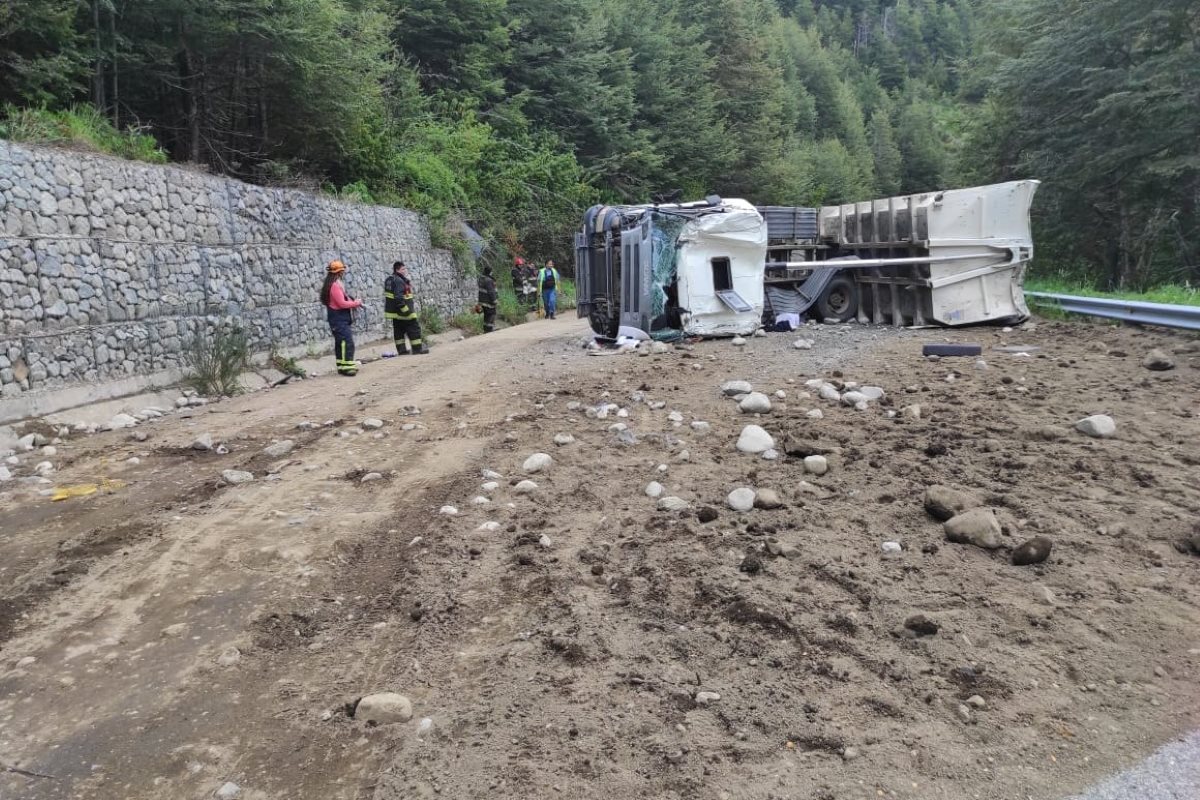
pixel 570 666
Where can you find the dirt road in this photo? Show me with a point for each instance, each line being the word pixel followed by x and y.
pixel 185 633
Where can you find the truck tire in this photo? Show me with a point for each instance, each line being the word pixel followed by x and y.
pixel 839 301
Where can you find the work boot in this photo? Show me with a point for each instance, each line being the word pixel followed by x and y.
pixel 420 350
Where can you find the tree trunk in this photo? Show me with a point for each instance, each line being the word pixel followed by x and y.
pixel 98 98
pixel 191 104
pixel 116 89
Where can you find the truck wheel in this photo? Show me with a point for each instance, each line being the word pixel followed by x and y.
pixel 839 301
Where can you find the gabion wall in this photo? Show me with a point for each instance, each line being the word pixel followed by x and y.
pixel 109 268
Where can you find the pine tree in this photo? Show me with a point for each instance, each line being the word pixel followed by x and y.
pixel 888 160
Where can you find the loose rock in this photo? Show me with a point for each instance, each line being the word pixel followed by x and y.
pixel 449 511
pixel 767 499
pixel 707 514
pixel 236 476
pixel 978 526
pixel 121 421
pixel 525 487
pixel 741 499
pixel 734 388
pixel 738 341
pixel 372 423
pixel 943 502
pixel 755 403
pixel 538 462
pixel 1034 551
pixel 672 504
pixel 654 489
pixel 1098 426
pixel 754 439
pixel 561 439
pixel 782 549
pixel 384 708
pixel 704 698
pixel 921 625
pixel 280 449
pixel 817 465
pixel 1158 361
pixel 228 791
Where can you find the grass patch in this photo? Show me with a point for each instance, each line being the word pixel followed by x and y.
pixel 216 361
pixel 566 294
pixel 286 364
pixel 1173 294
pixel 81 127
pixel 431 320
pixel 508 309
pixel 468 322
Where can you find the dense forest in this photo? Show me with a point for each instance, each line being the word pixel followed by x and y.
pixel 517 114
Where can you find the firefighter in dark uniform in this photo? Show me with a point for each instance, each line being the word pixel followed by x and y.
pixel 401 308
pixel 487 299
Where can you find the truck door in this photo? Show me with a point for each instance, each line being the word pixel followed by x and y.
pixel 636 274
pixel 583 276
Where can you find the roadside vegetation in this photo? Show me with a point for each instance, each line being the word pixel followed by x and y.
pixel 515 115
pixel 1170 293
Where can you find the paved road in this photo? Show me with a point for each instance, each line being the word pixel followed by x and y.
pixel 1171 773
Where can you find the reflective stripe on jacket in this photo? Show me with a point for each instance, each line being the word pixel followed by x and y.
pixel 398 298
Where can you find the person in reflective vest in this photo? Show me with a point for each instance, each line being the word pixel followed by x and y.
pixel 487 299
pixel 548 280
pixel 400 307
pixel 339 311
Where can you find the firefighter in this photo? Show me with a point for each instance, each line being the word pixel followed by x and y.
pixel 547 284
pixel 487 299
pixel 518 275
pixel 401 308
pixel 339 310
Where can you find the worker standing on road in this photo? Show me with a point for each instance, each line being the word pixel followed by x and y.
pixel 400 306
pixel 548 280
pixel 487 299
pixel 339 310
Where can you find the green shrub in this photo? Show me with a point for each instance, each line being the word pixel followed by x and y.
pixel 431 320
pixel 216 361
pixel 82 127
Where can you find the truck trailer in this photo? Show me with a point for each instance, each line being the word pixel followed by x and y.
pixel 724 267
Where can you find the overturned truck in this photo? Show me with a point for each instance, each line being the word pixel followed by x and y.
pixel 720 267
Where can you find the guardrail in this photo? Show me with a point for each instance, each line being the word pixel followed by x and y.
pixel 1169 316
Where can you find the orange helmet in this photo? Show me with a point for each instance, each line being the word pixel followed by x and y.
pixel 336 266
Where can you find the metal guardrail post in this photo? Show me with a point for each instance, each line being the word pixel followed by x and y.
pixel 1164 314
